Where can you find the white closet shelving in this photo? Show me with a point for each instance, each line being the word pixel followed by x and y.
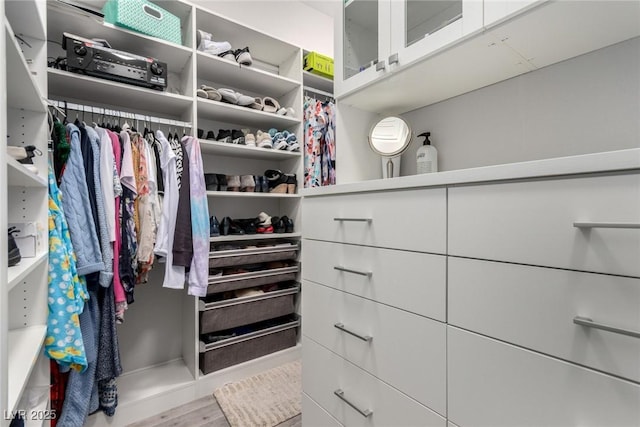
pixel 159 339
pixel 23 294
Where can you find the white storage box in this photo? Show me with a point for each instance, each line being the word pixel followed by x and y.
pixel 29 238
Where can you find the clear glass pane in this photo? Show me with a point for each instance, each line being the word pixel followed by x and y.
pixel 428 16
pixel 360 36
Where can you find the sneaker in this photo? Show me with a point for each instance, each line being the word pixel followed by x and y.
pixel 215 48
pixel 12 247
pixel 264 219
pixel 224 135
pixel 243 57
pixel 263 140
pixel 237 136
pixel 214 227
pixel 250 139
pixel 211 135
pixel 233 183
pixel 201 37
pixel 18 153
pixel 247 183
pixel 228 55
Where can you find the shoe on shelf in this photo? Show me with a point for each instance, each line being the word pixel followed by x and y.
pixel 211 181
pixel 18 153
pixel 202 93
pixel 224 135
pixel 248 225
pixel 277 181
pixel 243 57
pixel 211 92
pixel 233 183
pixel 12 248
pixel 247 183
pixel 250 139
pixel 244 100
pixel 264 229
pixel 278 225
pixel 263 140
pixel 288 224
pixel 201 36
pixel 258 187
pixel 213 47
pixel 225 226
pixel 211 135
pixel 237 137
pixel 264 184
pixel 228 55
pixel 214 227
pixel 200 133
pixel 229 95
pixel 222 182
pixel 292 183
pixel 264 219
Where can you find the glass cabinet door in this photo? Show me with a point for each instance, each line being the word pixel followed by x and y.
pixel 365 42
pixel 421 27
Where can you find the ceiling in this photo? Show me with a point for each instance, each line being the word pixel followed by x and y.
pixel 328 7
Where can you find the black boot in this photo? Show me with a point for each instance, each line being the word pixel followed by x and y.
pixel 14 251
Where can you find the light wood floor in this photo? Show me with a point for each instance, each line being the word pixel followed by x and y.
pixel 199 413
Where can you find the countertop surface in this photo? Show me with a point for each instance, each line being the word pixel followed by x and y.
pixel 609 161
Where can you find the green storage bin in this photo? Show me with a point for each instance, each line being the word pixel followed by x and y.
pixel 144 17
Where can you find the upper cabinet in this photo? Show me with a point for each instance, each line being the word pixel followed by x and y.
pixel 380 36
pixel 393 56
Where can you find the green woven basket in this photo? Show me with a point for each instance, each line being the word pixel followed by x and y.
pixel 144 17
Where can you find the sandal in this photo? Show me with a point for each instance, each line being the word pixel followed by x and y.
pixel 270 105
pixel 212 93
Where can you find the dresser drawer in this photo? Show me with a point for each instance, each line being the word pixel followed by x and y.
pixel 410 219
pixel 496 384
pixel 326 374
pixel 412 281
pixel 533 223
pixel 314 416
pixel 534 307
pixel 402 349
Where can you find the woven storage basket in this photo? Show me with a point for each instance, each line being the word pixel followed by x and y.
pixel 144 17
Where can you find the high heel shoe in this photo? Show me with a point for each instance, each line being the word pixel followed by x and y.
pixel 292 183
pixel 277 181
pixel 214 227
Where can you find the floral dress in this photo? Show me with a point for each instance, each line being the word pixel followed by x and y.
pixel 67 291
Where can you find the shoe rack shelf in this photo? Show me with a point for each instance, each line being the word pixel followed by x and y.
pixel 20 176
pixel 243 116
pixel 244 151
pixel 225 72
pixel 243 237
pixel 18 272
pixel 317 82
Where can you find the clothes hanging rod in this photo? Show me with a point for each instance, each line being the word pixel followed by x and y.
pixel 318 91
pixel 117 113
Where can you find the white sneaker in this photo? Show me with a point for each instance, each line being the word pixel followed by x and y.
pixel 202 36
pixel 18 153
pixel 215 48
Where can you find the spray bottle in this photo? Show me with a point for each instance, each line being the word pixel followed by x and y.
pixel 427 156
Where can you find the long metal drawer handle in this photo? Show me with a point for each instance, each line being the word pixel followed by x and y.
pixel 341 326
pixel 365 413
pixel 348 270
pixel 589 323
pixel 585 224
pixel 369 220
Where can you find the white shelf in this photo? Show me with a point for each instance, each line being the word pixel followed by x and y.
pixel 26 18
pixel 243 116
pixel 317 82
pixel 254 237
pixel 155 380
pixel 244 151
pixel 66 85
pixel 23 347
pixel 62 18
pixel 20 176
pixel 18 272
pixel 22 90
pixel 250 195
pixel 225 72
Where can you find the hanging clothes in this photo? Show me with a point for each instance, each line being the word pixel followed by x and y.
pixel 183 235
pixel 174 276
pixel 320 143
pixel 67 290
pixel 199 270
pixel 129 246
pixel 76 204
pixel 118 289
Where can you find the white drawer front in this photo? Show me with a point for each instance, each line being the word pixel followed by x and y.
pixel 404 350
pixel 412 281
pixel 534 307
pixel 533 223
pixel 314 416
pixel 410 219
pixel 496 384
pixel 325 372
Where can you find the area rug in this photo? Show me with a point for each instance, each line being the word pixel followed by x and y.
pixel 264 400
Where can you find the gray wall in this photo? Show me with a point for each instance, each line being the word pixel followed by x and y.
pixel 583 105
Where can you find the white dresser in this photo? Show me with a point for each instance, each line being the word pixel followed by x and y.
pixel 502 296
